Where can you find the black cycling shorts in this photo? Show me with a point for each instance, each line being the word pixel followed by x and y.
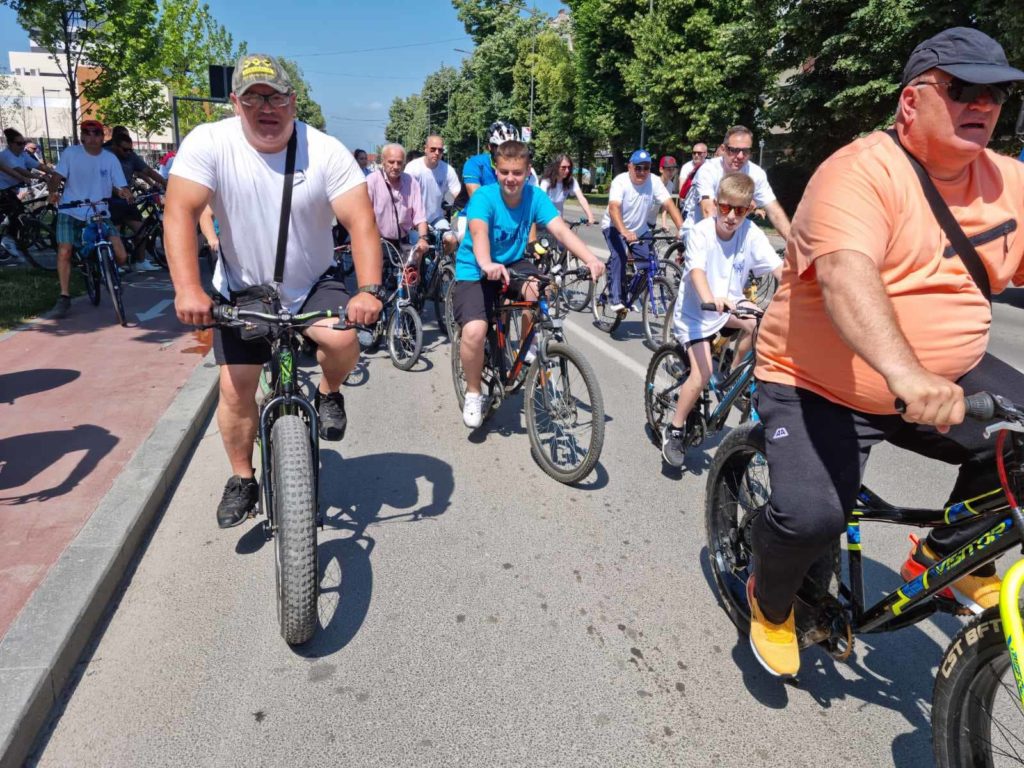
pixel 230 349
pixel 477 299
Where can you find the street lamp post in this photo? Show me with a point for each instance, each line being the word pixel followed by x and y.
pixel 643 116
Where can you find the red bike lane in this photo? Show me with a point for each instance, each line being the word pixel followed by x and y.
pixel 77 398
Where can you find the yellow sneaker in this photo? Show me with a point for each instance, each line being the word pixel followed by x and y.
pixel 978 592
pixel 774 645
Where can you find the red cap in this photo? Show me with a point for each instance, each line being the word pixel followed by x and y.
pixel 666 160
pixel 90 123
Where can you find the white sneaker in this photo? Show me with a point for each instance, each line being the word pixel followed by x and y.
pixel 147 266
pixel 617 307
pixel 473 410
pixel 531 353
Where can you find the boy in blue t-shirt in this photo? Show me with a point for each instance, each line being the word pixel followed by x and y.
pixel 500 217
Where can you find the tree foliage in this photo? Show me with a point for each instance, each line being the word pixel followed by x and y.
pixel 307 110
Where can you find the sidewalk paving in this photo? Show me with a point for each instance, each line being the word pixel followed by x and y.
pixel 96 420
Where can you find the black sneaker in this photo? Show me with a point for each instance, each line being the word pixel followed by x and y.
pixel 673 446
pixel 62 307
pixel 331 409
pixel 239 499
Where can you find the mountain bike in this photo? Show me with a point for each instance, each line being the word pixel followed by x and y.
pixel 37 233
pixel 289 445
pixel 151 233
pixel 398 323
pixel 730 387
pixel 94 256
pixel 574 293
pixel 438 271
pixel 564 406
pixel 978 700
pixel 647 283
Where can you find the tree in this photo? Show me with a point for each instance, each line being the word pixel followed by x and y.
pixel 191 40
pixel 10 101
pixel 67 29
pixel 307 110
pixel 548 58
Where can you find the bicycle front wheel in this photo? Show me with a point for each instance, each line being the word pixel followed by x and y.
pixel 405 338
pixel 657 310
pixel 737 492
pixel 294 518
pixel 976 712
pixel 604 318
pixel 90 270
pixel 564 414
pixel 112 278
pixel 665 374
pixel 577 292
pixel 443 302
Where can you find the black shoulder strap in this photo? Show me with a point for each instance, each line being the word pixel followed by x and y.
pixel 286 205
pixel 957 238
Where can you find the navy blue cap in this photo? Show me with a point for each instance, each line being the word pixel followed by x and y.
pixel 965 53
pixel 640 156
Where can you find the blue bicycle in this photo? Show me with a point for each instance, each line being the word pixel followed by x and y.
pixel 731 386
pixel 93 255
pixel 646 282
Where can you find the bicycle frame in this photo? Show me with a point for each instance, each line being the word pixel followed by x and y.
pixel 545 321
pixel 646 269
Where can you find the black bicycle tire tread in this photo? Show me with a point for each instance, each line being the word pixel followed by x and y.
pixel 573 281
pixel 602 325
pixel 113 287
pixel 652 367
pixel 742 438
pixel 38 231
pixel 457 381
pixel 589 376
pixel 295 520
pixel 650 340
pixel 405 363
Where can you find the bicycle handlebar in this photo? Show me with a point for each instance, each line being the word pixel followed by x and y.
pixel 80 203
pixel 228 314
pixel 710 306
pixel 982 406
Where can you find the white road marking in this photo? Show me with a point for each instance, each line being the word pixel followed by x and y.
pixel 606 348
pixel 155 311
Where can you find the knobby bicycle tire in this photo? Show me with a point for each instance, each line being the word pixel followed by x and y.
pixel 665 373
pixel 405 338
pixel 113 281
pixel 656 317
pixel 605 319
pixel 294 517
pixel 976 715
pixel 565 406
pixel 737 491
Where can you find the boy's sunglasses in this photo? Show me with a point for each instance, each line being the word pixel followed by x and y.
pixel 967 93
pixel 741 210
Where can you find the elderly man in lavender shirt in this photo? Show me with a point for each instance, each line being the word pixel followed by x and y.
pixel 397 202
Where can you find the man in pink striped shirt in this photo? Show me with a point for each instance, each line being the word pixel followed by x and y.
pixel 397 202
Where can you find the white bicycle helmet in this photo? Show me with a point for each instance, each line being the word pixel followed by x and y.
pixel 502 131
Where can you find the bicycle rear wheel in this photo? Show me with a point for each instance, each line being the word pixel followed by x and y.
pixel 577 292
pixel 37 240
pixel 976 712
pixel 294 517
pixel 737 492
pixel 155 247
pixel 564 414
pixel 604 318
pixel 405 338
pixel 665 374
pixel 112 279
pixel 443 302
pixel 657 312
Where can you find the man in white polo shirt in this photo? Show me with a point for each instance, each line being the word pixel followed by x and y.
pixel 738 146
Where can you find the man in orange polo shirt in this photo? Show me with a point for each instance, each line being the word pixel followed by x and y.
pixel 873 306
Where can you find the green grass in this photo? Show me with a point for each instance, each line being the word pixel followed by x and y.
pixel 26 293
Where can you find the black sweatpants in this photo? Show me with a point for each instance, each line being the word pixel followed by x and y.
pixel 816 452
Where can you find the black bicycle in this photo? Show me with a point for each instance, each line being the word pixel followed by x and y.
pixel 438 270
pixel 151 234
pixel 289 446
pixel 978 701
pixel 37 233
pixel 564 406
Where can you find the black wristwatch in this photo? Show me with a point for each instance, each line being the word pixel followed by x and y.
pixel 375 290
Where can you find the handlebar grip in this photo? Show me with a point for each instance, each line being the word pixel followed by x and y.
pixel 223 313
pixel 980 406
pixel 709 306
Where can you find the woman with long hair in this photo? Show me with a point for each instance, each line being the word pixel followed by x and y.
pixel 559 183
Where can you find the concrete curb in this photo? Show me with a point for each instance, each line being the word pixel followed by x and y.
pixel 45 642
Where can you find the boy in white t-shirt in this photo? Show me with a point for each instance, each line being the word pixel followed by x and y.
pixel 720 253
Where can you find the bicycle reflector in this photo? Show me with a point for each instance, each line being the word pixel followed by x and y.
pixel 411 274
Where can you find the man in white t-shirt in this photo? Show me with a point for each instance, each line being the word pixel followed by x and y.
pixel 630 198
pixel 687 191
pixel 438 182
pixel 721 250
pixel 16 166
pixel 737 148
pixel 237 166
pixel 88 173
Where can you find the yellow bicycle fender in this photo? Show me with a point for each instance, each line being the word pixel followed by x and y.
pixel 1013 628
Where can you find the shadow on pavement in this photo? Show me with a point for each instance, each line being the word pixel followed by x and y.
pixel 357 491
pixel 23 457
pixel 24 383
pixel 892 670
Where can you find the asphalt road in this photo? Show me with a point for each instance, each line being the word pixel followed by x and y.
pixel 475 612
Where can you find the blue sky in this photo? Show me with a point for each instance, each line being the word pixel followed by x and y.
pixel 355 89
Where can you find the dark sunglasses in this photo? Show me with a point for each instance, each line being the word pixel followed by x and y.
pixel 700 154
pixel 968 93
pixel 739 150
pixel 565 167
pixel 645 167
pixel 741 210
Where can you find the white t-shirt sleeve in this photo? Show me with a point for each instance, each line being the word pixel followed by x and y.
pixel 343 172
pixel 763 193
pixel 454 185
pixel 697 249
pixel 704 182
pixel 763 258
pixel 545 185
pixel 661 193
pixel 617 191
pixel 196 158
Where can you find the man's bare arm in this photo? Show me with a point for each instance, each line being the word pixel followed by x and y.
pixel 670 207
pixel 185 201
pixel 707 207
pixel 615 214
pixel 778 218
pixel 355 213
pixel 862 313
